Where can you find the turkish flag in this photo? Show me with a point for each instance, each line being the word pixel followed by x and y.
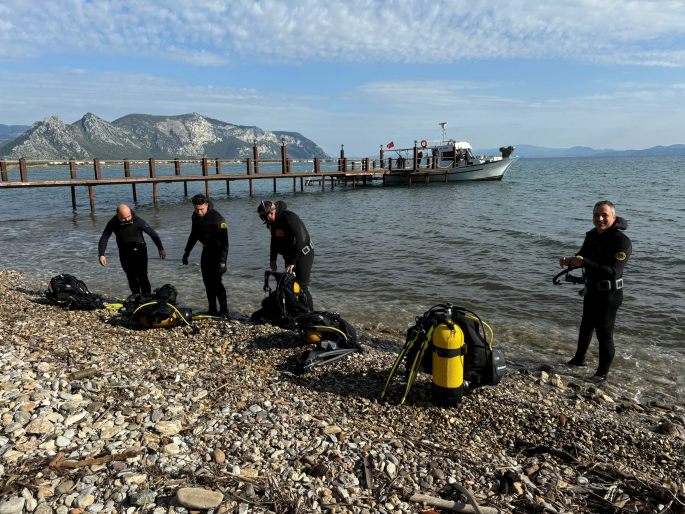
pixel 390 145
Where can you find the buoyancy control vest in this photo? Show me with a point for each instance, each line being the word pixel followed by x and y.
pixel 283 303
pixel 447 343
pixel 71 293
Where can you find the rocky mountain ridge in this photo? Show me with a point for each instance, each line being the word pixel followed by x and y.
pixel 140 136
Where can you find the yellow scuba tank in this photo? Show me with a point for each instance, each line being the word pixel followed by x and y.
pixel 448 363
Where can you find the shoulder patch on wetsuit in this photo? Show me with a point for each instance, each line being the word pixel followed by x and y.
pixel 279 232
pixel 223 225
pixel 621 256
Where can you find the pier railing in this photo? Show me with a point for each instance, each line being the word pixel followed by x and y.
pixel 15 173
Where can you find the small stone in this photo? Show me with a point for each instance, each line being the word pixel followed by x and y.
pixel 543 375
pixel 219 456
pixel 582 481
pixel 196 498
pixel 391 469
pixel 168 428
pixel 255 408
pixel 135 478
pixel 556 382
pixel 43 508
pixel 83 500
pixel 40 425
pixel 144 497
pixel 332 430
pixel 668 428
pixel 13 506
pixel 62 442
pixel 438 473
pixel 65 487
pixel 171 449
pixel 95 508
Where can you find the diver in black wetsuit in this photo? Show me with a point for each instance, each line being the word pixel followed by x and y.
pixel 128 230
pixel 603 256
pixel 289 237
pixel 209 227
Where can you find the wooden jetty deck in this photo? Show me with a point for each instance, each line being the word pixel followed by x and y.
pixel 352 171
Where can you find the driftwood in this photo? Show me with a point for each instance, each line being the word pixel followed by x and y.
pixel 57 462
pixel 452 505
pixel 368 471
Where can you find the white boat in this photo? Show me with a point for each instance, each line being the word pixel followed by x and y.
pixel 446 160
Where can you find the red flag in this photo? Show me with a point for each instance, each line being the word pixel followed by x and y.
pixel 390 145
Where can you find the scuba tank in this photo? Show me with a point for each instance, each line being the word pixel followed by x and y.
pixel 448 363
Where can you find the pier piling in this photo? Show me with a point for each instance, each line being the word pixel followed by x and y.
pixel 72 174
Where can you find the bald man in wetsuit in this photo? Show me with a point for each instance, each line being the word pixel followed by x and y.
pixel 128 230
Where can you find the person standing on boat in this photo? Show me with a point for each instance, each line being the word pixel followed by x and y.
pixel 128 230
pixel 209 227
pixel 603 256
pixel 289 237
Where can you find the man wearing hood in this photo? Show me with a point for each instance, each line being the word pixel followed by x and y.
pixel 289 237
pixel 128 230
pixel 603 256
pixel 209 227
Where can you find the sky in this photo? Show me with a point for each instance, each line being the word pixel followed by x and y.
pixel 598 73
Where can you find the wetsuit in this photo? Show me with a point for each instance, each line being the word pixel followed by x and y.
pixel 289 237
pixel 604 258
pixel 211 231
pixel 132 249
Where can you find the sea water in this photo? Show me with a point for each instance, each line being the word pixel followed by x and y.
pixel 386 254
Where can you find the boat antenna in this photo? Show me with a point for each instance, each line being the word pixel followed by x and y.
pixel 443 130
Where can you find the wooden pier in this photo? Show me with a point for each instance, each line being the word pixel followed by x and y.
pixel 349 171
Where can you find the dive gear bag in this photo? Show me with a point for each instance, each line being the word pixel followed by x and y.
pixel 283 303
pixel 71 293
pixel 167 293
pixel 451 344
pixel 160 314
pixel 335 338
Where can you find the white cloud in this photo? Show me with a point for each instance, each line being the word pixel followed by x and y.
pixel 211 32
pixel 619 116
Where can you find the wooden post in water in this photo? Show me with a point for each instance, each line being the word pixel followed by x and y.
pixel 390 164
pixel 274 185
pixel 98 176
pixel 445 176
pixel 415 167
pixel 153 174
pixel 205 173
pixel 217 165
pixel 23 175
pixel 284 158
pixel 382 158
pixel 3 171
pixel 302 184
pixel 249 172
pixel 72 174
pixel 317 165
pixel 177 171
pixel 127 174
pixel 342 157
pixel 255 155
pixel 354 182
pixel 323 183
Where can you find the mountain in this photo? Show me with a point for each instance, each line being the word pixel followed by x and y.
pixel 9 132
pixel 140 136
pixel 531 151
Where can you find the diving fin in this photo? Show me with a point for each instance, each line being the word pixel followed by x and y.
pixel 114 306
pixel 315 358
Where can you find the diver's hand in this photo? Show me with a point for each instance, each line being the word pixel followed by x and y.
pixel 289 268
pixel 185 259
pixel 576 261
pixel 222 268
pixel 273 265
pixel 103 260
pixel 162 254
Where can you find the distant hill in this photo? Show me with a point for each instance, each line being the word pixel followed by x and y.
pixel 10 132
pixel 584 151
pixel 140 136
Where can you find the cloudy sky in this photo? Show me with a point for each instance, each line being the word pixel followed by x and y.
pixel 599 73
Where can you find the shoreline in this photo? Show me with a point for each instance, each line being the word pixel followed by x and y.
pixel 220 410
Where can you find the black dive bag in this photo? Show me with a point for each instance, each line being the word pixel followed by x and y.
pixel 318 326
pixel 71 293
pixel 167 293
pixel 283 303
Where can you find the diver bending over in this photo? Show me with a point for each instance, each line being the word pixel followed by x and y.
pixel 289 237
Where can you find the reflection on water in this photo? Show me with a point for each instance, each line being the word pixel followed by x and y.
pixel 384 255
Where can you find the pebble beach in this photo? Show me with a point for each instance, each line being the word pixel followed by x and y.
pixel 99 416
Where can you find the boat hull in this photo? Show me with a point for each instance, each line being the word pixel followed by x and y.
pixel 486 171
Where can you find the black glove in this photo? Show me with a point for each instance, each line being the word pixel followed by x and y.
pixel 222 268
pixel 185 258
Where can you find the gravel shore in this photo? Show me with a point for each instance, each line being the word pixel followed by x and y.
pixel 100 417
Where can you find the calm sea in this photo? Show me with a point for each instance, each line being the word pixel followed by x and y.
pixel 384 255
